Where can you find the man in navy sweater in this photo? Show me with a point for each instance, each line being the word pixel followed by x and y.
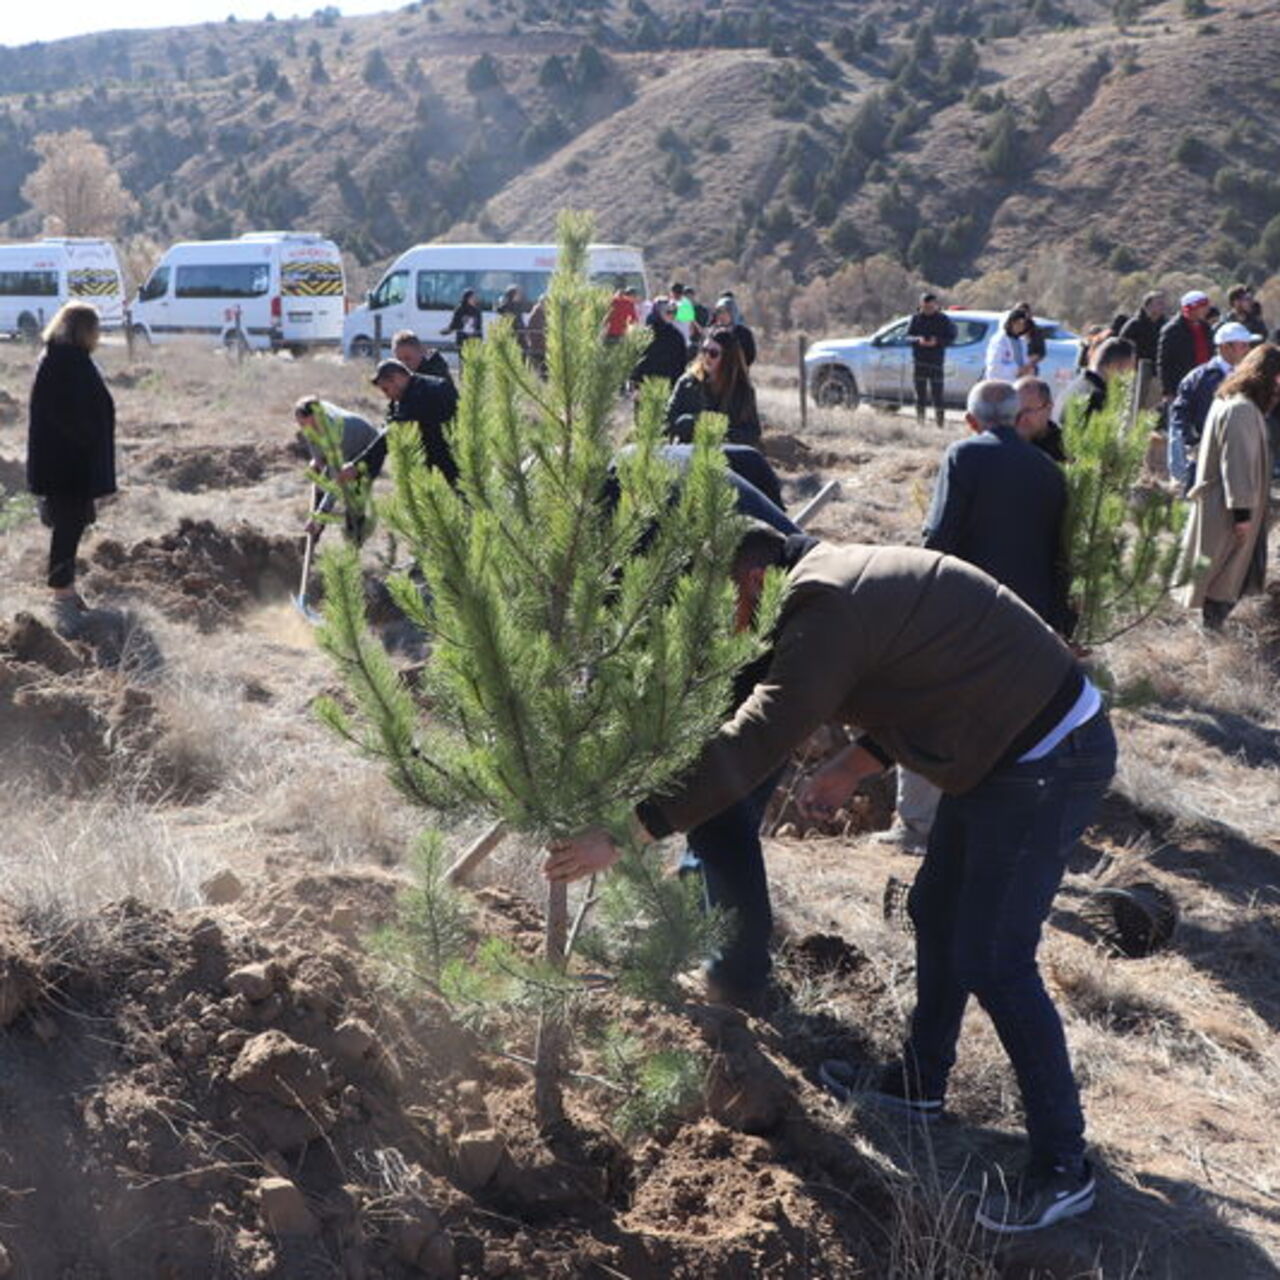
pixel 930 334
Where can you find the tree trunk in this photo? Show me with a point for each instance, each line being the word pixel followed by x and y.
pixel 549 1055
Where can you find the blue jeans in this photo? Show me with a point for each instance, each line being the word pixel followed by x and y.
pixel 727 850
pixel 995 859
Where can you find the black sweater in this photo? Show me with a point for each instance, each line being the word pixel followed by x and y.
pixel 71 435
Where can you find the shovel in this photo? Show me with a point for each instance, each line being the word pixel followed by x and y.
pixel 300 599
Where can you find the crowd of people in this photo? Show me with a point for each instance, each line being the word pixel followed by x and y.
pixel 953 659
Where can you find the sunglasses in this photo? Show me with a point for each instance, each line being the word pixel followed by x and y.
pixel 712 353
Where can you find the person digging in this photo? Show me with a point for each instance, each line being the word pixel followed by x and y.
pixel 949 674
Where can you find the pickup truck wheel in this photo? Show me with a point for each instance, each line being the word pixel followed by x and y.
pixel 834 387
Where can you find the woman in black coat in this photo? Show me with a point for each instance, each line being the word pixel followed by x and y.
pixel 467 321
pixel 667 353
pixel 716 381
pixel 71 453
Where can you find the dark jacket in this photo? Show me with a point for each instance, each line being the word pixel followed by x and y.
pixel 666 355
pixel 1144 333
pixel 693 395
pixel 431 403
pixel 1191 405
pixel 747 341
pixel 71 434
pixel 434 365
pixel 1087 386
pixel 945 671
pixel 938 326
pixel 744 461
pixel 999 503
pixel 466 322
pixel 1176 354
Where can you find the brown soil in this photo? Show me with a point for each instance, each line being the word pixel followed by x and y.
pixel 193 469
pixel 207 1068
pixel 200 573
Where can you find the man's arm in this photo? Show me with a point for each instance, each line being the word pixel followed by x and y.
pixel 949 511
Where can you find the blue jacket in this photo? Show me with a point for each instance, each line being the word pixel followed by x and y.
pixel 999 503
pixel 1190 406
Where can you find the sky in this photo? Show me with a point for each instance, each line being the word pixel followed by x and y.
pixel 22 22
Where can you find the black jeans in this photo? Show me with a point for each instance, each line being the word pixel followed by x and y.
pixel 728 852
pixel 996 857
pixel 68 517
pixel 928 380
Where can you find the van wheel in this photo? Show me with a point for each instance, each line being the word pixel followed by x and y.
pixel 362 348
pixel 835 388
pixel 28 328
pixel 235 343
pixel 140 335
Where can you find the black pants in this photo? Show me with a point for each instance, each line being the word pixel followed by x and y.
pixel 68 517
pixel 928 380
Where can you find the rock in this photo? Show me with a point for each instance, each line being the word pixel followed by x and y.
pixel 354 1040
pixel 284 1208
pixel 273 1065
pixel 472 1100
pixel 222 888
pixel 256 982
pixel 423 1245
pixel 478 1156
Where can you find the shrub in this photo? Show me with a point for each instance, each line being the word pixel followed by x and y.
pixel 483 74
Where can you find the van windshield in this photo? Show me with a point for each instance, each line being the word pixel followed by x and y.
pixel 157 285
pixel 226 280
pixel 29 284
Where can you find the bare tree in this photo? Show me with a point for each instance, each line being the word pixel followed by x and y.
pixel 75 187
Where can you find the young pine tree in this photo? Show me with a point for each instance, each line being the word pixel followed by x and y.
pixel 581 649
pixel 1122 528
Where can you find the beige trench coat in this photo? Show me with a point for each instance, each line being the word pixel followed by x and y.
pixel 1232 470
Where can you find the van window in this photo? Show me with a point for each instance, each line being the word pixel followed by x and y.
pixel 157 285
pixel 390 292
pixel 443 290
pixel 306 279
pixel 609 280
pixel 92 282
pixel 29 284
pixel 227 280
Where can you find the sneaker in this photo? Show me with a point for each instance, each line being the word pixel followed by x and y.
pixel 908 839
pixel 1038 1199
pixel 889 1090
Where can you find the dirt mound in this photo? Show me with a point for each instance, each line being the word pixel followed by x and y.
pixel 69 725
pixel 792 454
pixel 201 573
pixel 244 1108
pixel 198 467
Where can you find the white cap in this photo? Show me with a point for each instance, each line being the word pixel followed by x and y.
pixel 1234 331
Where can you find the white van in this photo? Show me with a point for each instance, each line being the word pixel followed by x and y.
pixel 424 284
pixel 264 291
pixel 36 278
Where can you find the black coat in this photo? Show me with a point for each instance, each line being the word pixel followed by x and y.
pixel 434 365
pixel 1144 333
pixel 1176 354
pixel 431 403
pixel 665 357
pixel 1087 386
pixel 937 326
pixel 999 503
pixel 71 436
pixel 693 395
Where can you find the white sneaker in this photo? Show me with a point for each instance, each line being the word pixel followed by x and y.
pixel 908 839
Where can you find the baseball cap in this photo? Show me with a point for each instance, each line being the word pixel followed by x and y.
pixel 1234 331
pixel 386 367
pixel 1195 298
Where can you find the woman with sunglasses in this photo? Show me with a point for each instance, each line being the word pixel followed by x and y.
pixel 716 381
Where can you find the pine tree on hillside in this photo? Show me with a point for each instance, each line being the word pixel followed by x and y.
pixel 582 651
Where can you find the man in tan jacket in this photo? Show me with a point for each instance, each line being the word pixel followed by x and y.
pixel 950 674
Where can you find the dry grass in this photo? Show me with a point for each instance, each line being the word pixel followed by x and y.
pixel 1179 1055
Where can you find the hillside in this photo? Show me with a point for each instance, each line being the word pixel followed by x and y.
pixel 779 140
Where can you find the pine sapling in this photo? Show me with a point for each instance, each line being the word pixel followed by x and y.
pixel 577 597
pixel 1122 526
